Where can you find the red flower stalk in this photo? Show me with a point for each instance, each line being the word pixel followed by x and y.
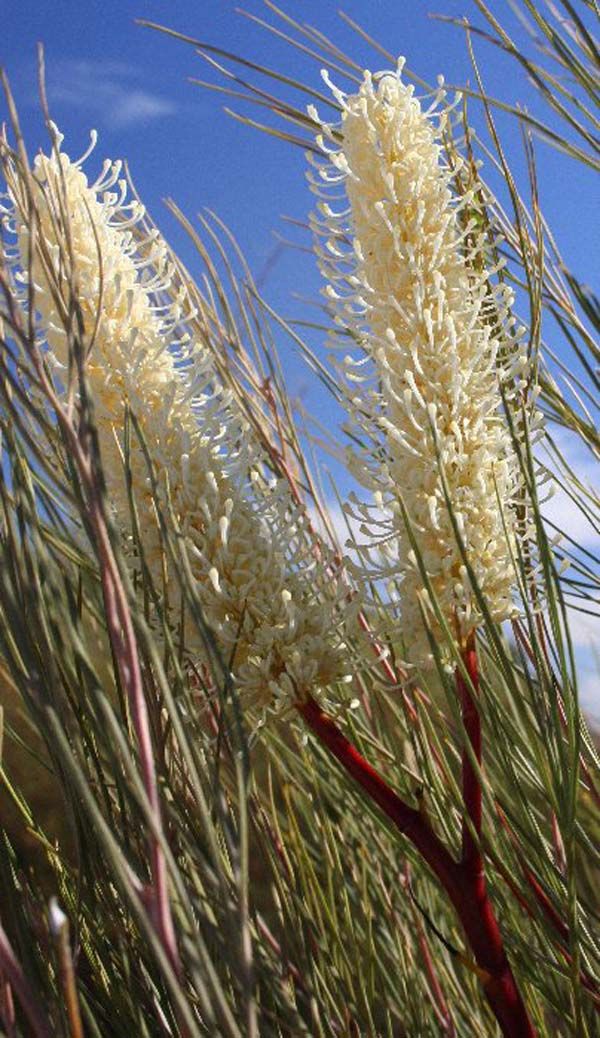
pixel 471 785
pixel 464 882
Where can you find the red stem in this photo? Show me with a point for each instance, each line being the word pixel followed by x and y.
pixel 470 899
pixel 471 783
pixel 547 908
pixel 408 820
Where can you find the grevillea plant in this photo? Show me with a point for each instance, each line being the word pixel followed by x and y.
pixel 309 791
pixel 247 561
pixel 407 275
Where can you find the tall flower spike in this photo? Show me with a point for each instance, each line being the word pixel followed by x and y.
pixel 407 281
pixel 261 590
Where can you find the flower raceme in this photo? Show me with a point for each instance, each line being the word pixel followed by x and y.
pixel 262 592
pixel 404 261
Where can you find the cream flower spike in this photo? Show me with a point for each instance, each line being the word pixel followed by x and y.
pixel 404 261
pixel 256 580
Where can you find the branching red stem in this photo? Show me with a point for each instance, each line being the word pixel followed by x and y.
pixel 470 899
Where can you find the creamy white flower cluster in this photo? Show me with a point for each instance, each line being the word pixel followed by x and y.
pixel 404 261
pixel 262 592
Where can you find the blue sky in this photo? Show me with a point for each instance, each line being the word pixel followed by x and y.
pixel 131 84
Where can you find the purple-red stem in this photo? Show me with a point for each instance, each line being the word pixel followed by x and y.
pixel 7 1008
pixel 123 640
pixel 12 974
pixel 122 637
pixel 469 897
pixel 547 908
pixel 440 1006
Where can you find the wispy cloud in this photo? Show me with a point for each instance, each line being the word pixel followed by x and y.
pixel 584 629
pixel 561 509
pixel 113 93
pixel 589 695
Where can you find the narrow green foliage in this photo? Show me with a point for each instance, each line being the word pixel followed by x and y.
pixel 215 872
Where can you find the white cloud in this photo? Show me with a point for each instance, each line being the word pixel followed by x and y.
pixel 565 514
pixel 338 522
pixel 589 695
pixel 111 92
pixel 140 106
pixel 583 627
pixel 585 630
pixel 560 509
pixel 585 636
